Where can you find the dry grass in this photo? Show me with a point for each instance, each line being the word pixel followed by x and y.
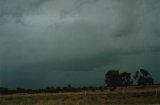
pixel 121 96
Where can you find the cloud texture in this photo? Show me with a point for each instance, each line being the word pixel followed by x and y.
pixel 38 37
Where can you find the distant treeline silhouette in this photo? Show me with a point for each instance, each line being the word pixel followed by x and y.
pixel 58 89
pixel 113 79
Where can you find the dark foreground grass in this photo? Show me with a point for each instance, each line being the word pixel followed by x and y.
pixel 92 98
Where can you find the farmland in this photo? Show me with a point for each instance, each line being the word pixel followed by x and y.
pixel 122 96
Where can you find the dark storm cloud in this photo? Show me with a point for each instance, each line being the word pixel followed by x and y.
pixel 136 15
pixel 75 35
pixel 81 64
pixel 89 31
pixel 18 7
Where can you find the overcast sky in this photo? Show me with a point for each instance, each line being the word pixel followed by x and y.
pixel 60 42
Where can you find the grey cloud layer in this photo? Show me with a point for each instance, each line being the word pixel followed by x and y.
pixel 18 7
pixel 110 27
pixel 75 35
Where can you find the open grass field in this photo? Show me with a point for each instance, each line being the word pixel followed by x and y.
pixel 122 96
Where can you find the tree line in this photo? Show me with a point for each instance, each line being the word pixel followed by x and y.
pixel 113 79
pixel 51 89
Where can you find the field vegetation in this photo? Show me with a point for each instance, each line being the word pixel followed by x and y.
pixel 121 96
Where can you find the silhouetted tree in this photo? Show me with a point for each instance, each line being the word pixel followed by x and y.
pixel 126 79
pixel 20 90
pixel 136 76
pixel 143 77
pixel 144 72
pixel 58 89
pixel 50 89
pixel 4 90
pixel 112 78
